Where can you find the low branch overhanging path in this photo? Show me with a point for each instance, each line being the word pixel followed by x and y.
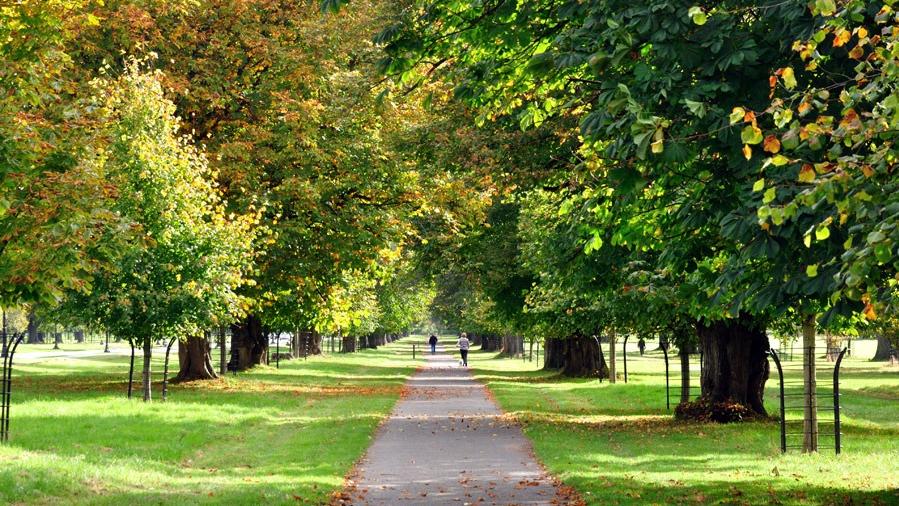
pixel 447 443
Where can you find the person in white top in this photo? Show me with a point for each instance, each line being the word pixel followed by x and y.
pixel 463 343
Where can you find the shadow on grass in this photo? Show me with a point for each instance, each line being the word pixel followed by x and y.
pixel 621 490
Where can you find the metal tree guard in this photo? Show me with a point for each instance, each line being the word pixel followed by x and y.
pixel 131 369
pixel 837 440
pixel 165 368
pixel 598 372
pixel 667 390
pixel 6 391
pixel 624 354
pixel 837 436
pixel 783 414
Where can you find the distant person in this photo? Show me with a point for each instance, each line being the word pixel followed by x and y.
pixel 433 342
pixel 463 345
pixel 642 345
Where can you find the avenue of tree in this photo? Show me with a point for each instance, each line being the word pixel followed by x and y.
pixel 523 170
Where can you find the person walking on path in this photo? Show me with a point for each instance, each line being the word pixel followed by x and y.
pixel 642 345
pixel 433 342
pixel 464 344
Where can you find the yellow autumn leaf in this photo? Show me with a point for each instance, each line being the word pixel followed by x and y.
pixel 789 77
pixel 840 37
pixel 870 313
pixel 771 144
pixel 806 174
pixel 747 151
pixel 779 160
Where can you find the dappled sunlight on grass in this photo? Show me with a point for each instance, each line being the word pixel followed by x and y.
pixel 270 435
pixel 616 443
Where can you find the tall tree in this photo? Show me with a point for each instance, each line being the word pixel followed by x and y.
pixel 54 211
pixel 286 106
pixel 182 274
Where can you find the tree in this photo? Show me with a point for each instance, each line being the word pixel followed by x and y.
pixel 652 87
pixel 54 214
pixel 827 171
pixel 181 276
pixel 286 106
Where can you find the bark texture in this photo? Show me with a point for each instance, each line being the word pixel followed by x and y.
pixel 513 346
pixel 195 360
pixel 883 349
pixel 491 343
pixel 735 367
pixel 612 369
pixel 34 336
pixel 147 378
pixel 315 344
pixel 576 356
pixel 349 344
pixel 223 360
pixel 249 344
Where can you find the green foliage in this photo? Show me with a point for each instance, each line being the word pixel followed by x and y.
pixel 286 104
pixel 182 271
pixel 53 204
pixel 663 93
pixel 838 142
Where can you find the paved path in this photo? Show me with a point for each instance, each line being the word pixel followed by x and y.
pixel 446 444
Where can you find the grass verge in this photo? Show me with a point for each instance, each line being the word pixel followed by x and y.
pixel 274 436
pixel 617 443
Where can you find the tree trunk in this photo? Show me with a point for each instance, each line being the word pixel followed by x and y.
pixel 735 367
pixel 79 336
pixel 349 344
pixel 612 372
pixel 194 360
pixel 302 344
pixel 315 347
pixel 34 336
pixel 576 356
pixel 833 346
pixel 147 378
pixel 810 397
pixel 491 343
pixel 223 362
pixel 883 349
pixel 684 374
pixel 513 346
pixel 249 344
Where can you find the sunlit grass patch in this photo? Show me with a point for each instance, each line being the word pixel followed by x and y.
pixel 283 435
pixel 618 444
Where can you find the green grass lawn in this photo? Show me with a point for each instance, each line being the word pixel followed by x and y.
pixel 617 444
pixel 274 436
